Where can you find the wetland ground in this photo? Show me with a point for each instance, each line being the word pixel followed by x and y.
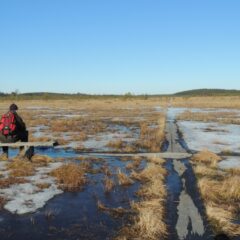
pixel 66 193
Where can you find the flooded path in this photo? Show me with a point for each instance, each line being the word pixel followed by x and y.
pixel 185 210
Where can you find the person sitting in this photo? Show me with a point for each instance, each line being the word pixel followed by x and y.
pixel 12 129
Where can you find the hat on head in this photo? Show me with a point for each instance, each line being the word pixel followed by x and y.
pixel 13 107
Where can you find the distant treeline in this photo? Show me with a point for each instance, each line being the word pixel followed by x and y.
pixel 57 96
pixel 52 96
pixel 209 92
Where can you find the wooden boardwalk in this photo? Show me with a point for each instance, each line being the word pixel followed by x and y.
pixel 28 147
pixel 29 144
pixel 173 155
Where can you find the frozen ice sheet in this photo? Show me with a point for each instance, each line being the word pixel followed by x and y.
pixel 230 162
pixel 27 197
pixel 215 137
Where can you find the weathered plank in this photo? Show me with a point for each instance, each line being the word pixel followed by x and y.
pixel 29 144
pixel 162 155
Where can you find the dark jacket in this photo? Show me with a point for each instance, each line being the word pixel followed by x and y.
pixel 20 125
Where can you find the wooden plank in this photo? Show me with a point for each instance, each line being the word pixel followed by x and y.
pixel 29 144
pixel 162 155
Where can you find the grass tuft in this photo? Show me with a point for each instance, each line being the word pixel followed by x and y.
pixel 70 177
pixel 41 160
pixel 152 138
pixel 220 192
pixel 114 212
pixel 123 179
pixel 206 157
pixel 20 168
pixel 149 219
pixel 43 185
pixel 108 184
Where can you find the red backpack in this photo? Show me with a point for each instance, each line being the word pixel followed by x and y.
pixel 8 124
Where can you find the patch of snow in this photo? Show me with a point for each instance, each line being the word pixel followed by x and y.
pixel 158 109
pixel 39 134
pixel 74 115
pixel 74 144
pixel 27 197
pixel 133 118
pixel 174 112
pixel 3 172
pixel 99 142
pixel 223 137
pixel 63 115
pixel 3 165
pixel 230 162
pixel 96 143
pixel 39 131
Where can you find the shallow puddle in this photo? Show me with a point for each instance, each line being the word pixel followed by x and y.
pixel 75 215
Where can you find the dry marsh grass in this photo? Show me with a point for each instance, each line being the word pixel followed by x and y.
pixel 220 192
pixel 41 160
pixel 20 168
pixel 152 138
pixel 83 126
pixel 130 148
pixel 124 107
pixel 157 161
pixel 151 170
pixel 106 170
pixel 221 199
pixel 149 219
pixel 206 157
pixel 75 121
pixel 43 185
pixel 233 171
pixel 223 220
pixel 115 212
pixel 206 102
pixel 123 179
pixel 150 224
pixel 221 117
pixel 7 182
pixel 108 184
pixel 40 139
pixel 118 144
pixel 203 170
pixel 93 104
pixel 3 158
pixel 225 190
pixel 133 165
pixel 80 136
pixel 70 177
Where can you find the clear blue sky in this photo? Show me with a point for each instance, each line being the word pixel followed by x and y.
pixel 117 46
